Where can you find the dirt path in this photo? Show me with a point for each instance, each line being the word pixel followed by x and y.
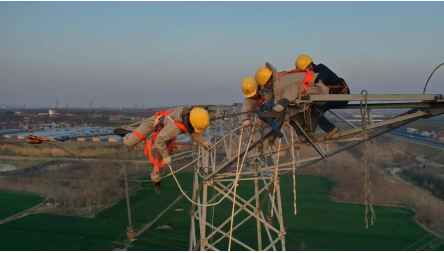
pixel 22 213
pixel 160 215
pixel 147 226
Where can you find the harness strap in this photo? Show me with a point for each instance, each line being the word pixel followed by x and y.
pixel 334 86
pixel 147 150
pixel 143 139
pixel 259 103
pixel 307 79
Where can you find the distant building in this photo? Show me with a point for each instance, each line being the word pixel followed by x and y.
pixel 9 113
pixel 53 113
pixel 425 133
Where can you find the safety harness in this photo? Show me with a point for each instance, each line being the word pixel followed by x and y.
pixel 260 102
pixel 343 87
pixel 307 80
pixel 159 117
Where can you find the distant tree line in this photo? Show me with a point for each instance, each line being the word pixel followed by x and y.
pixel 425 180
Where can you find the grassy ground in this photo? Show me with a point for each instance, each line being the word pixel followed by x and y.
pixel 320 224
pixel 15 202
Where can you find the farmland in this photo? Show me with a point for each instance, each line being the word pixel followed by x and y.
pixel 15 202
pixel 321 224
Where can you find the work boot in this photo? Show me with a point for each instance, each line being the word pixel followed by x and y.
pixel 271 114
pixel 157 187
pixel 331 133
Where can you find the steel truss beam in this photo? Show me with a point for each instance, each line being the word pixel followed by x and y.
pixel 210 172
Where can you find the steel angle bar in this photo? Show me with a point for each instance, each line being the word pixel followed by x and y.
pixel 290 163
pixel 392 105
pixel 243 207
pixel 307 138
pixel 225 188
pixel 272 244
pixel 221 128
pixel 415 115
pixel 372 97
pixel 262 218
pixel 376 133
pixel 233 238
pixel 268 231
pixel 234 228
pixel 405 137
pixel 232 174
pixel 267 132
pixel 242 179
pixel 211 246
pixel 280 216
pixel 269 194
pixel 343 119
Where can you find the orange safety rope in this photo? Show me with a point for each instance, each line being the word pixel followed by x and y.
pixel 147 150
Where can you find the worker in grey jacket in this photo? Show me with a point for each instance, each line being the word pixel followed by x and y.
pixel 268 87
pixel 169 124
pixel 255 95
pixel 287 86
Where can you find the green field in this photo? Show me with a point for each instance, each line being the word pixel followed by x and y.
pixel 15 202
pixel 321 224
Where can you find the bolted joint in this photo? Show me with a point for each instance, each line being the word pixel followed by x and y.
pixel 209 183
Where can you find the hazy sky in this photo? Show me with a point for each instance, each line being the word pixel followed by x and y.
pixel 173 53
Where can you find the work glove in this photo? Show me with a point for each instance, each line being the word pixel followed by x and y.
pixel 167 160
pixel 246 123
pixel 121 132
pixel 206 145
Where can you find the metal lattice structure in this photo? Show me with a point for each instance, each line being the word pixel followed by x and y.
pixel 254 160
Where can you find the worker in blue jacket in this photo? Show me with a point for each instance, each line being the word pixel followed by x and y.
pixel 336 84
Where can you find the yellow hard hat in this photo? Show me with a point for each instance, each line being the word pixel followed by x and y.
pixel 249 87
pixel 199 119
pixel 303 61
pixel 262 75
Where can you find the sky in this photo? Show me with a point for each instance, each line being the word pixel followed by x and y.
pixel 176 53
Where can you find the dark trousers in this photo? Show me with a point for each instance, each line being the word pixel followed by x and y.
pixel 323 122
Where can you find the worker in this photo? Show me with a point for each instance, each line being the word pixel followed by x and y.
pixel 255 95
pixel 287 86
pixel 336 85
pixel 165 127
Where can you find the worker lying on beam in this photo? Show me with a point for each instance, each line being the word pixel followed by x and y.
pixel 165 127
pixel 336 85
pixel 287 86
